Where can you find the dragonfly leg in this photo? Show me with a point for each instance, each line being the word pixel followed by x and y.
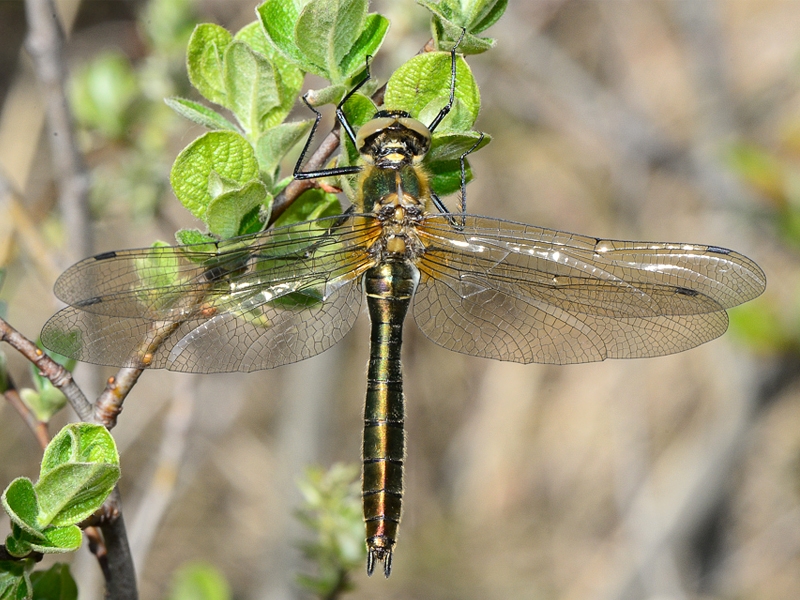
pixel 462 202
pixel 446 108
pixel 458 221
pixel 298 173
pixel 340 116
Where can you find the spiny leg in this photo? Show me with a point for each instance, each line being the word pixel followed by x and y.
pixel 340 116
pixel 302 175
pixel 446 109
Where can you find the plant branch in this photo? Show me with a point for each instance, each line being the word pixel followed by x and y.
pixel 58 375
pixel 39 428
pixel 109 404
pixel 45 45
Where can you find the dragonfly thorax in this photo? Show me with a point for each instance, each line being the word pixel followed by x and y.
pixel 393 139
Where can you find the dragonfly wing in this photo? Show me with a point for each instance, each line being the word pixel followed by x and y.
pixel 247 303
pixel 261 335
pixel 515 292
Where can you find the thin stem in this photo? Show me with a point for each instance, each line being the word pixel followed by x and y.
pixel 58 375
pixel 39 428
pixel 109 404
pixel 45 45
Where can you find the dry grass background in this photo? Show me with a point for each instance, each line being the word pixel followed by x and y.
pixel 669 478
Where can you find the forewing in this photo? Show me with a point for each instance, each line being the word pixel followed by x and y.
pixel 515 292
pixel 249 303
pixel 262 336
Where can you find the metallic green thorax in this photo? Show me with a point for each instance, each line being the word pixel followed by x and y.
pixel 389 289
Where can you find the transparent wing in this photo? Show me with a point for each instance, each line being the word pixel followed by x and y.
pixel 515 292
pixel 244 304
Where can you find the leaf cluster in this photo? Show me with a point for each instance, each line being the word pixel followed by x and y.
pixel 229 176
pixel 80 468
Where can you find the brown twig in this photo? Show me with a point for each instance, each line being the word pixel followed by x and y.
pixel 109 404
pixel 39 428
pixel 45 45
pixel 58 375
pixel 318 159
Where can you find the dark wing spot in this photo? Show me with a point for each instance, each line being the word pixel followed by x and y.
pixel 718 250
pixel 89 302
pixel 686 291
pixel 105 255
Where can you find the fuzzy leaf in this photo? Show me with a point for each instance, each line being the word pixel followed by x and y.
pixel 278 18
pixel 226 211
pixel 451 18
pixel 20 502
pixel 250 86
pixel 15 583
pixel 54 584
pixel 79 469
pixel 188 237
pixel 369 42
pixel 275 143
pixel 288 77
pixel 223 152
pixel 422 87
pixel 325 32
pixel 202 115
pixel 205 59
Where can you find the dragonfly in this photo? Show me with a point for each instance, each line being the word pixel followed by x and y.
pixel 476 285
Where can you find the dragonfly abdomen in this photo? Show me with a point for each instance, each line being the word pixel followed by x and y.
pixel 389 287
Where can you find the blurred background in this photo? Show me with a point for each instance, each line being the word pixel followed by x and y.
pixel 668 478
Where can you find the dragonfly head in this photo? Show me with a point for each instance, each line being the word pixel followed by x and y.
pixel 393 139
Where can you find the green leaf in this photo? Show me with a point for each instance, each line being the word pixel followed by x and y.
pixel 278 18
pixel 157 270
pixel 186 237
pixel 358 109
pixel 80 442
pixel 250 86
pixel 223 152
pixel 485 13
pixel 58 540
pixel 288 77
pixel 446 176
pixel 449 21
pixel 54 584
pixel 199 114
pixel 422 87
pixel 325 32
pixel 15 582
pixel 21 503
pixel 205 60
pixel 450 146
pixel 80 467
pixel 374 31
pixel 226 211
pixel 71 493
pixel 43 404
pixel 17 543
pixel 276 142
pixel 199 581
pixel 312 204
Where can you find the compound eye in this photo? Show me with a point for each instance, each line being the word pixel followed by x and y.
pixel 371 128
